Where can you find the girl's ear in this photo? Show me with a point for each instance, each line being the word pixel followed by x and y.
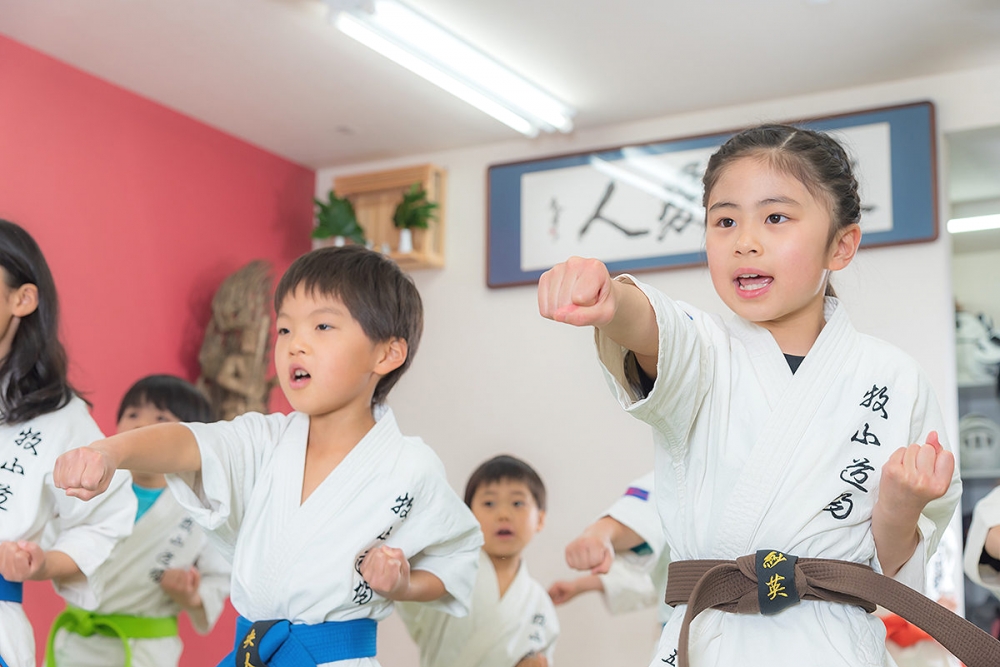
pixel 845 246
pixel 24 300
pixel 393 355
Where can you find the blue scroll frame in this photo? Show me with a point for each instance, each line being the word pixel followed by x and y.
pixel 914 190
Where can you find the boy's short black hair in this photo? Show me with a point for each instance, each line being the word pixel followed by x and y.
pixel 168 392
pixel 506 468
pixel 379 296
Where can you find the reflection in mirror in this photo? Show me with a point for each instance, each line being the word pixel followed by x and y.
pixel 974 195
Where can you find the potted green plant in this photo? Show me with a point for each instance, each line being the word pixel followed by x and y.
pixel 335 218
pixel 414 212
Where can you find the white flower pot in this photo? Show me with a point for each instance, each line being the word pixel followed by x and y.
pixel 405 241
pixel 339 241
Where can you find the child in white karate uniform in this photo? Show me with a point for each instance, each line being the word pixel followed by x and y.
pixel 40 418
pixel 627 543
pixel 331 513
pixel 782 430
pixel 166 566
pixel 512 622
pixel 982 546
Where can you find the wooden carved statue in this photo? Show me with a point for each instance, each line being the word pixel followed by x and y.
pixel 235 353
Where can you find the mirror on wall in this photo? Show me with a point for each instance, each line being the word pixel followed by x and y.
pixel 974 199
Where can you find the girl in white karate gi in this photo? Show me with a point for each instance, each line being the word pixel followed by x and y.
pixel 839 457
pixel 165 567
pixel 40 418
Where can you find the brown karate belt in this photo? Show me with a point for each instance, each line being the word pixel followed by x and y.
pixel 769 581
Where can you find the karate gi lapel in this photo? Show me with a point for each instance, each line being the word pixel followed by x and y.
pixel 794 401
pixel 297 524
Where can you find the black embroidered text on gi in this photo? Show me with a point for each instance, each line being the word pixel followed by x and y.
pixel 671 659
pixel 866 437
pixel 856 474
pixel 5 493
pixel 876 400
pixel 403 505
pixel 165 558
pixel 362 593
pixel 156 575
pixel 538 619
pixel 535 637
pixel 357 562
pixel 187 524
pixel 28 440
pixel 840 508
pixel 177 541
pixel 385 534
pixel 14 467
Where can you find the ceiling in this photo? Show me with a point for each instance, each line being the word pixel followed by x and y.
pixel 276 74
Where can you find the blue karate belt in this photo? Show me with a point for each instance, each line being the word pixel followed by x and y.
pixel 284 644
pixel 11 591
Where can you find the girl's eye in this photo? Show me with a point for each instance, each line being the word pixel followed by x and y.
pixel 282 331
pixel 487 503
pixel 324 327
pixel 776 218
pixel 726 223
pixel 161 418
pixel 518 503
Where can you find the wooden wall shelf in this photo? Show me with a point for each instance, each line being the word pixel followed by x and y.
pixel 375 197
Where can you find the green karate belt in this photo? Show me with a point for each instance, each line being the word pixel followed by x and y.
pixel 87 623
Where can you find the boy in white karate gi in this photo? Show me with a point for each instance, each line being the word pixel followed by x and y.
pixel 331 513
pixel 982 546
pixel 781 432
pixel 512 622
pixel 631 552
pixel 164 567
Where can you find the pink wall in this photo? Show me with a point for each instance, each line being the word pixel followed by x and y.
pixel 141 212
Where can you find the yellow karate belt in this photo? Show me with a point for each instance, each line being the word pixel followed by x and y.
pixel 86 623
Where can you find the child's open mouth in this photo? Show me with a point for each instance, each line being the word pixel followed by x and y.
pixel 299 376
pixel 752 282
pixel 505 532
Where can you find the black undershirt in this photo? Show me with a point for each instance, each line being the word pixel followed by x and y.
pixel 793 362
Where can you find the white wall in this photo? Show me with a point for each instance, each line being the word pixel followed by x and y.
pixel 492 376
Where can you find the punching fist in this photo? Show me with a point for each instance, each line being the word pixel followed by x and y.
pixel 183 586
pixel 85 472
pixel 578 292
pixel 561 592
pixel 915 475
pixel 20 561
pixel 589 552
pixel 387 572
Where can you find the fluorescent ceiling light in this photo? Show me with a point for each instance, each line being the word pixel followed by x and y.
pixel 425 48
pixel 975 224
pixel 644 184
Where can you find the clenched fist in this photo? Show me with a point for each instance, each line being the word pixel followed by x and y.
pixel 84 472
pixel 578 292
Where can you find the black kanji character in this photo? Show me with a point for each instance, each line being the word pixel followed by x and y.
pixel 28 440
pixel 5 492
pixel 362 593
pixel 14 467
pixel 876 400
pixel 403 505
pixel 840 508
pixel 671 659
pixel 856 474
pixel 866 437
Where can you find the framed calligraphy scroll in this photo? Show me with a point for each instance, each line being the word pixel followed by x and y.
pixel 638 208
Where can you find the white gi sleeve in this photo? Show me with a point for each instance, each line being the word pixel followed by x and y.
pixel 232 455
pixel 933 521
pixel 985 516
pixel 683 369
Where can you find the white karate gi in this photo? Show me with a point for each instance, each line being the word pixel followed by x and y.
pixel 33 509
pixel 498 632
pixel 749 456
pixel 639 580
pixel 165 537
pixel 985 515
pixel 298 561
